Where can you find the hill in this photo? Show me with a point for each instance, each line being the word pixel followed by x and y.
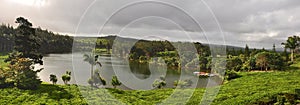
pixel 252 88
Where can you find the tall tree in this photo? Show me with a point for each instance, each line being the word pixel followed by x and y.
pixel 292 43
pixel 247 52
pixel 286 55
pixel 26 42
pixel 262 60
pixel 66 77
pixel 53 78
pixel 92 60
pixel 274 48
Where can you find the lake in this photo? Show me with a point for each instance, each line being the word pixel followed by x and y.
pixel 133 75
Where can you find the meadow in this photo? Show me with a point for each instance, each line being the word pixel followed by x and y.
pixel 251 88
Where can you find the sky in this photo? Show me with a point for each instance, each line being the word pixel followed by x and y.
pixel 258 23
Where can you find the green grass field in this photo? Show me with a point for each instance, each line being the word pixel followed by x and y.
pixel 251 87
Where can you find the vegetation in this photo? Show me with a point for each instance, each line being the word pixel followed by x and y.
pixel 21 73
pixel 115 82
pixel 66 77
pixel 183 83
pixel 292 43
pixel 53 79
pixel 159 83
pixel 277 86
pixel 97 79
pixel 251 88
pixel 92 60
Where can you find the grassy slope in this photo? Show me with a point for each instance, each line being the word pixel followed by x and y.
pixel 245 90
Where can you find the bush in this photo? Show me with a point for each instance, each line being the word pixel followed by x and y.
pixel 66 77
pixel 183 83
pixel 20 74
pixel 230 74
pixel 115 82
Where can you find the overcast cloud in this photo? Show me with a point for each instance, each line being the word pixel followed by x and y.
pixel 258 23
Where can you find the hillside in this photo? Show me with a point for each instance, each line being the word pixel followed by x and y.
pixel 259 87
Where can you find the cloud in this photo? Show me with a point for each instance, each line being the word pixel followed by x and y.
pixel 258 23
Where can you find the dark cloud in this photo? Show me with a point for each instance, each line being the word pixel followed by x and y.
pixel 259 23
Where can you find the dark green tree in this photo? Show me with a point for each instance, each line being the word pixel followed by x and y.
pixel 292 43
pixel 92 60
pixel 53 78
pixel 159 83
pixel 274 48
pixel 247 52
pixel 66 77
pixel 22 75
pixel 115 82
pixel 26 42
pixel 262 60
pixel 286 55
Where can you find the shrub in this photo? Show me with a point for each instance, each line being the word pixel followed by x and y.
pixel 230 74
pixel 66 77
pixel 20 74
pixel 53 78
pixel 115 82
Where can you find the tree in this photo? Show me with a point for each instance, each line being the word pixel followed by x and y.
pixel 26 42
pixel 262 60
pixel 274 48
pixel 66 77
pixel 115 82
pixel 53 78
pixel 97 79
pixel 25 54
pixel 292 43
pixel 92 60
pixel 22 75
pixel 234 63
pixel 286 55
pixel 247 52
pixel 159 83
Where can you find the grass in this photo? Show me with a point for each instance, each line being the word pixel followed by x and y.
pixel 250 88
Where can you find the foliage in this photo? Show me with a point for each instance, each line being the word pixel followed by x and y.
pixel 92 60
pixel 97 79
pixel 248 89
pixel 66 77
pixel 230 74
pixel 292 43
pixel 53 78
pixel 159 83
pixel 115 82
pixel 26 42
pixel 234 63
pixel 20 74
pixel 183 83
pixel 270 60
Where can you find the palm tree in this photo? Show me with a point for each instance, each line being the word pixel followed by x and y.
pixel 292 43
pixel 66 77
pixel 53 78
pixel 115 82
pixel 92 60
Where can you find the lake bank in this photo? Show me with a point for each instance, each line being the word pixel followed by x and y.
pixel 249 88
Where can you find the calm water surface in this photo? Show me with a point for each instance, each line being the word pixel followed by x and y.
pixel 58 64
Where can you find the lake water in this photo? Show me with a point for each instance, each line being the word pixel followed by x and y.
pixel 133 75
